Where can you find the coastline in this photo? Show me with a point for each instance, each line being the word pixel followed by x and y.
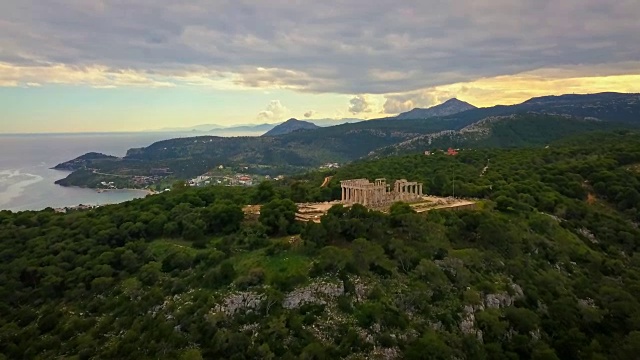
pixel 99 190
pixel 148 191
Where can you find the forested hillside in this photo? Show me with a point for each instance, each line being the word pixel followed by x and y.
pixel 556 116
pixel 547 267
pixel 518 130
pixel 187 157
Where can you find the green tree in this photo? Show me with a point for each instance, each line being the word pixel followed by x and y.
pixel 223 217
pixel 264 193
pixel 278 216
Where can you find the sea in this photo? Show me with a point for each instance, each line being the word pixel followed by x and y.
pixel 27 180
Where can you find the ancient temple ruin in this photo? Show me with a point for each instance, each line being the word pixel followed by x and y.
pixel 379 193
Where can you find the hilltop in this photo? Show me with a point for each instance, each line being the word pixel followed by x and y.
pixel 546 267
pixel 449 107
pixel 289 126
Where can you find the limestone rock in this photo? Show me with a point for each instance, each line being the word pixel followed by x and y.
pixel 496 301
pixel 503 299
pixel 316 293
pixel 588 234
pixel 239 301
pixel 386 353
pixel 468 323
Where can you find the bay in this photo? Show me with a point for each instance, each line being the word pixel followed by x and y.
pixel 27 180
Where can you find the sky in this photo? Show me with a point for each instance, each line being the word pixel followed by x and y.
pixel 130 65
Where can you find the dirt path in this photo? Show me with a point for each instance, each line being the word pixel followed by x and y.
pixel 326 181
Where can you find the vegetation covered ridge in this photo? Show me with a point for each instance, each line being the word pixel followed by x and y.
pixel 546 268
pixel 297 151
pixel 515 130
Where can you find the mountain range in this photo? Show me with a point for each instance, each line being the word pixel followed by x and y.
pixel 248 129
pixel 533 122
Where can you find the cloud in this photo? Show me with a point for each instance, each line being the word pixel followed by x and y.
pixel 309 113
pixel 354 47
pixel 95 76
pixel 359 104
pixel 101 77
pixel 275 111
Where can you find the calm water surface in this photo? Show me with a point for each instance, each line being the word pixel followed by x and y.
pixel 27 182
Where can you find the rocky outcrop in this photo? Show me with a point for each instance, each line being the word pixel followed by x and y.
pixel 239 301
pixel 468 323
pixel 316 293
pixel 320 292
pixel 490 301
pixel 588 235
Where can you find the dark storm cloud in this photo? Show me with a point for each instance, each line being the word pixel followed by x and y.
pixel 373 46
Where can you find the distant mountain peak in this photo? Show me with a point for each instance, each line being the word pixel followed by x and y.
pixel 449 107
pixel 291 125
pixel 453 101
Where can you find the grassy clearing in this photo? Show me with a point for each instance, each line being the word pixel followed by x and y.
pixel 287 262
pixel 162 247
